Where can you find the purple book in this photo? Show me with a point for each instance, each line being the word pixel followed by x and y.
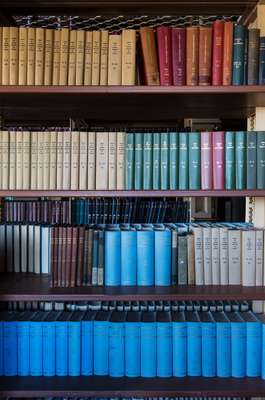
pixel 179 56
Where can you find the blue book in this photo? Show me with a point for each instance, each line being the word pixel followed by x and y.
pixel 162 255
pixel 145 257
pixel 238 54
pixel 128 257
pixel 132 344
pixel 116 344
pixel 193 344
pixel 208 330
pixel 223 345
pixel 74 344
pixel 23 351
pixel 164 344
pixel 101 343
pixel 262 60
pixel 148 345
pixel 61 344
pixel 48 339
pixel 87 328
pixel 179 333
pixel 262 320
pixel 112 256
pixel 238 345
pixel 254 344
pixel 2 343
pixel 35 344
pixel 10 344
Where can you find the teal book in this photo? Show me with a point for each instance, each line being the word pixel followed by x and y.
pixel 173 160
pixel 138 161
pixel 230 161
pixel 129 154
pixel 156 161
pixel 240 143
pixel 147 170
pixel 183 161
pixel 251 160
pixel 194 160
pixel 164 160
pixel 261 160
pixel 238 54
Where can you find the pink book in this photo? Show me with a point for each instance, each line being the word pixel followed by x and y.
pixel 179 56
pixel 164 54
pixel 206 161
pixel 218 160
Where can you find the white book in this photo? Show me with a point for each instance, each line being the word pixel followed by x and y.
pixel 102 161
pixel 19 159
pixel 34 160
pixel 215 256
pixel 53 156
pixel 259 256
pixel 16 233
pixel 234 253
pixel 91 172
pixel 31 248
pixel 224 258
pixel 40 164
pixel 46 160
pixel 37 249
pixel 74 160
pixel 5 160
pixel 112 160
pixel 26 160
pixel 12 160
pixel 1 150
pixel 9 248
pixel 45 251
pixel 198 248
pixel 83 150
pixel 207 255
pixel 59 175
pixel 66 159
pixel 24 247
pixel 120 160
pixel 248 238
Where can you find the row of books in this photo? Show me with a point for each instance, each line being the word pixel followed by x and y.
pixel 132 344
pixel 140 398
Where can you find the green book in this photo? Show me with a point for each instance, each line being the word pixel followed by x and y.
pixel 238 54
pixel 261 160
pixel 240 144
pixel 173 160
pixel 129 154
pixel 138 161
pixel 156 161
pixel 230 168
pixel 147 170
pixel 183 161
pixel 164 152
pixel 194 160
pixel 251 160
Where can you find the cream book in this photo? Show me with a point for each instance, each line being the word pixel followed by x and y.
pixel 128 57
pixel 13 57
pixel 31 56
pixel 91 173
pixel 40 164
pixel 12 160
pixel 1 53
pixel 56 57
pixel 59 164
pixel 64 51
pixel 259 257
pixel 207 255
pixel 48 52
pixel 80 57
pixel 120 160
pixel 66 159
pixel 5 160
pixel 74 160
pixel 83 148
pixel 5 55
pixel 114 62
pixel 33 160
pixel 88 58
pixel 46 160
pixel 104 50
pixel 112 160
pixel 19 160
pixel 72 57
pixel 53 156
pixel 102 160
pixel 22 56
pixel 39 56
pixel 26 160
pixel 224 265
pixel 215 256
pixel 95 57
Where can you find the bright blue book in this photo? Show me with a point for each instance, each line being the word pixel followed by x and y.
pixel 101 343
pixel 179 333
pixel 48 338
pixel 238 345
pixel 23 323
pixel 254 344
pixel 2 344
pixel 208 330
pixel 116 344
pixel 148 345
pixel 223 345
pixel 10 344
pixel 164 344
pixel 132 344
pixel 112 256
pixel 74 344
pixel 194 359
pixel 145 257
pixel 162 255
pixel 35 344
pixel 87 331
pixel 128 257
pixel 61 344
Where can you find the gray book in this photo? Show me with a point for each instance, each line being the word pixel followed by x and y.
pixel 215 256
pixel 31 248
pixel 207 255
pixel 16 237
pixel 224 264
pixel 9 248
pixel 182 260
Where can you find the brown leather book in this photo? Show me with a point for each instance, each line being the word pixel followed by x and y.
pixel 228 52
pixel 192 55
pixel 74 256
pixel 205 55
pixel 68 256
pixel 150 58
pixel 64 247
pixel 80 256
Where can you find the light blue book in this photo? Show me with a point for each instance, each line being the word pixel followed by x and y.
pixel 10 344
pixel 132 344
pixel 194 358
pixel 23 349
pixel 179 332
pixel 48 332
pixel 87 332
pixel 254 344
pixel 162 255
pixel 74 344
pixel 145 257
pixel 116 344
pixel 101 343
pixel 238 345
pixel 36 344
pixel 61 344
pixel 128 257
pixel 112 256
pixel 148 345
pixel 164 344
pixel 208 329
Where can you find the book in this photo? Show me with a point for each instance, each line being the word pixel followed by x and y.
pixel 115 59
pixel 96 45
pixel 129 156
pixel 102 160
pixel 112 157
pixel 230 161
pixel 48 327
pixel 23 324
pixel 182 267
pixel 261 60
pixel 215 256
pixel 48 57
pixel 12 160
pixel 253 344
pixel 132 344
pixel 88 58
pixel 64 55
pixel 218 160
pixel 19 160
pixel 80 57
pixel 173 160
pixel 72 57
pixel 238 345
pixel 104 51
pixel 128 75
pixel 260 160
pixel 1 53
pixel 240 150
pixel 208 340
pixel 198 251
pixel 218 48
pixel 164 157
pixel 5 55
pixel 39 56
pixel 179 344
pixel 120 160
pixel 253 56
pixel 194 349
pixel 22 56
pixel 112 257
pixel 234 252
pixel 183 161
pixel 83 160
pixel 53 160
pixel 138 160
pixel 227 52
pixel 56 57
pixel 91 151
pixel 61 344
pixel 224 258
pixel 178 41
pixel 191 259
pixel 147 161
pixel 148 345
pixel 162 246
pixel 238 55
pixel 75 154
pixel 205 55
pixel 35 344
pixel 251 160
pixel 164 54
pixel 192 55
pixel 74 343
pixel 248 239
pixel 148 46
pixel 116 344
pixel 156 158
pixel 206 161
pixel 128 257
pixel 46 160
pixel 164 345
pixel 223 345
pixel 66 160
pixel 101 343
pixel 145 257
pixel 87 343
pixel 13 55
pixel 59 163
pixel 194 160
pixel 207 255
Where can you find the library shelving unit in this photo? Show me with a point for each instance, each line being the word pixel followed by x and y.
pixel 137 103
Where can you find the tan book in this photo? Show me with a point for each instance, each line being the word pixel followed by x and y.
pixel 72 57
pixel 13 57
pixel 150 61
pixel 40 164
pixel 48 57
pixel 5 56
pixel 120 160
pixel 5 160
pixel 91 171
pixel 19 159
pixel 39 56
pixel 64 50
pixel 114 65
pixel 191 260
pixel 95 57
pixel 83 147
pixel 12 160
pixel 59 163
pixel 26 160
pixel 46 160
pixel 1 52
pixel 104 50
pixel 128 74
pixel 74 160
pixel 112 160
pixel 80 57
pixel 88 58
pixel 33 160
pixel 56 57
pixel 66 160
pixel 53 156
pixel 102 160
pixel 22 56
pixel 31 56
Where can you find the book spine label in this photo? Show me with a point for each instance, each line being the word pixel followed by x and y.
pixel 128 258
pixel 205 55
pixel 173 160
pixel 228 52
pixel 183 161
pixel 61 348
pixel 208 349
pixel 120 160
pixel 261 160
pixel 150 61
pixel 262 60
pixel 87 348
pixel 80 57
pixel 22 56
pixel 253 346
pixel 48 348
pixel 218 160
pixel 48 55
pixel 13 56
pixel 132 349
pixel 230 167
pixel 148 349
pixel 147 161
pixel 23 368
pixel 253 57
pixel 164 53
pixel 240 145
pixel 112 258
pixel 88 58
pixel 156 161
pixel 64 55
pixel 192 56
pixel 162 258
pixel 164 161
pixel 238 55
pixel 74 348
pixel 104 57
pixel 129 154
pixel 223 349
pixel 145 258
pixel 56 57
pixel 95 75
pixel 101 347
pixel 194 160
pixel 128 57
pixel 179 56
pixel 179 333
pixel 39 56
pixel 72 57
pixel 218 42
pixel 113 160
pixel 164 349
pixel 35 348
pixel 116 349
pixel 138 162
pixel 206 161
pixel 251 160
pixel 194 356
pixel 238 349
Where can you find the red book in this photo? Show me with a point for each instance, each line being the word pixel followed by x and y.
pixel 178 39
pixel 218 41
pixel 206 161
pixel 164 54
pixel 218 160
pixel 228 52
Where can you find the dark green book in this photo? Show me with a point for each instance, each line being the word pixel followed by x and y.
pixel 238 54
pixel 164 160
pixel 129 154
pixel 138 161
pixel 253 56
pixel 183 161
pixel 251 160
pixel 261 160
pixel 245 79
pixel 230 161
pixel 240 143
pixel 156 161
pixel 147 170
pixel 173 160
pixel 194 160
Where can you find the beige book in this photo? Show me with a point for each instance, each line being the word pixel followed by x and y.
pixel 39 56
pixel 112 160
pixel 83 147
pixel 31 56
pixel 59 163
pixel 5 160
pixel 120 160
pixel 19 160
pixel 1 157
pixel 95 58
pixel 104 51
pixel 33 160
pixel 53 156
pixel 26 160
pixel 91 170
pixel 128 57
pixel 191 259
pixel 1 52
pixel 207 255
pixel 248 265
pixel 56 57
pixel 64 50
pixel 48 57
pixel 114 63
pixel 74 160
pixel 40 164
pixel 88 58
pixel 22 56
pixel 102 160
pixel 66 160
pixel 46 160
pixel 72 57
pixel 259 256
pixel 12 160
pixel 80 57
pixel 13 57
pixel 5 56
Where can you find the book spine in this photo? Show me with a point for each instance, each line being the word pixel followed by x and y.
pixel 12 160
pixel 205 55
pixel 218 160
pixel 94 276
pixel 48 329
pixel 218 43
pixel 66 160
pixel 39 56
pixel 13 56
pixel 238 349
pixel 230 168
pixel 64 55
pixel 128 74
pixel 208 349
pixel 56 57
pixel 80 255
pixel 192 56
pixel 19 160
pixel 88 58
pixel 179 56
pixel 179 336
pixel 10 348
pixel 148 349
pixel 101 347
pixel 48 55
pixel 83 157
pixel 116 349
pixel 164 55
pixel 164 157
pixel 115 60
pixel 23 368
pixel 40 159
pixel 215 256
pixel 245 65
pixel 259 257
pixel 156 161
pixel 5 159
pixel 26 160
pixel 234 252
pixel 61 348
pixel 207 255
pixel 145 258
pixel 194 356
pixel 253 346
pixel 22 56
pixel 238 55
pixel 251 160
pixel 223 349
pixel 129 155
pixel 198 246
pixel 87 348
pixel 120 160
pixel 183 161
pixel 59 163
pixel 96 45
pixel 69 235
pixel 74 348
pixel 1 53
pixel 182 267
pixel 112 161
pixel 228 52
pixel 72 57
pixel 52 160
pixel 191 259
pixel 132 349
pixel 102 152
pixel 74 160
pixel 224 258
pixel 74 257
pixel 262 60
pixel 80 57
pixel 104 49
pixel 173 160
pixel 260 160
pixel 206 161
pixel 112 258
pixel 162 259
pixel 253 57
pixel 248 257
pixel 35 348
pixel 101 258
pixel 91 172
pixel 138 164
pixel 128 258
pixel 5 55
pixel 194 160
pixel 164 349
pixel 240 145
pixel 148 46
pixel 46 160
pixel 147 161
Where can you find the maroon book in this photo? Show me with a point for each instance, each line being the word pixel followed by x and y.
pixel 218 160
pixel 206 161
pixel 164 54
pixel 68 256
pixel 74 256
pixel 218 42
pixel 178 36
